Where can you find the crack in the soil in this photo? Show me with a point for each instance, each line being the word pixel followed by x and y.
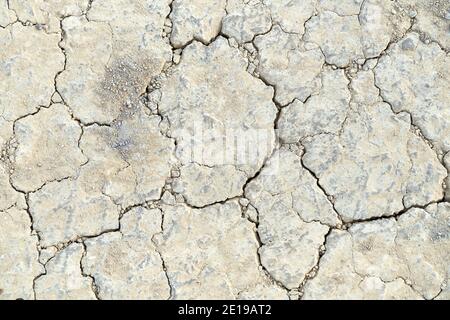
pixel 179 50
pixel 258 254
pixel 94 287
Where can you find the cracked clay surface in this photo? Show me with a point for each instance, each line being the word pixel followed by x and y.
pixel 224 149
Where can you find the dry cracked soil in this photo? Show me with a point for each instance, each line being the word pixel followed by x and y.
pixel 224 149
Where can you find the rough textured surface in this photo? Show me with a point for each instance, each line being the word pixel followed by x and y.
pixel 405 258
pixel 211 253
pixel 414 77
pixel 357 36
pixel 63 211
pixel 431 19
pixel 324 112
pixel 63 278
pixel 46 153
pixel 226 149
pixel 196 19
pixel 19 261
pixel 291 15
pixel 203 185
pixel 29 60
pixel 125 264
pixel 47 13
pixel 8 196
pixel 284 183
pixel 7 16
pixel 281 57
pixel 447 181
pixel 246 19
pixel 142 158
pixel 109 59
pixel 291 210
pixel 376 166
pixel 205 99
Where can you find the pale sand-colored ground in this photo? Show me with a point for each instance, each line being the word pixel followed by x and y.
pixel 240 149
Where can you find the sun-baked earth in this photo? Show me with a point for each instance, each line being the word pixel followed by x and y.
pixel 224 149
